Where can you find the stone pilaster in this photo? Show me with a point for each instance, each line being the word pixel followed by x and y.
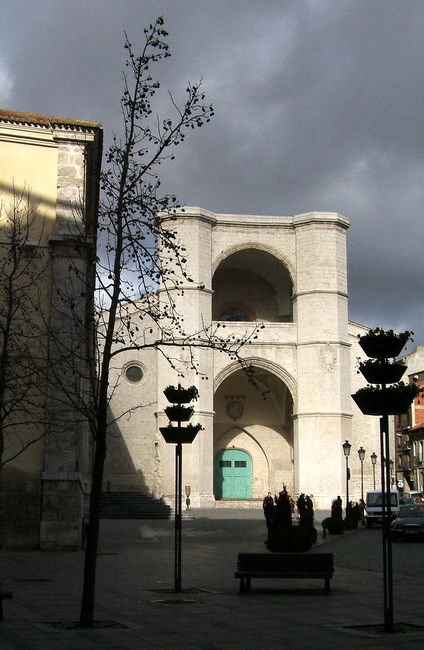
pixel 194 302
pixel 65 480
pixel 322 418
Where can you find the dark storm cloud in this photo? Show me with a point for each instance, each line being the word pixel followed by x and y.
pixel 318 107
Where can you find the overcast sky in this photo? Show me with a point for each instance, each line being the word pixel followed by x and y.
pixel 319 106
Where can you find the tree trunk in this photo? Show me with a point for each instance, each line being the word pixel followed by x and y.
pixel 92 541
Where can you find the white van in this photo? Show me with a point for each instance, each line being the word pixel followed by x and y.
pixel 413 495
pixel 374 506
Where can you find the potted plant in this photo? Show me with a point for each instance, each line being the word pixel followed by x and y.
pixel 180 395
pixel 381 371
pixel 391 400
pixel 283 536
pixel 183 435
pixel 353 516
pixel 383 344
pixel 334 524
pixel 178 413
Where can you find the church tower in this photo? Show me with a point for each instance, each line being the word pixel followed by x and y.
pixel 288 273
pixel 283 279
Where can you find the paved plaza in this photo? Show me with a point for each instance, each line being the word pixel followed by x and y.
pixel 137 606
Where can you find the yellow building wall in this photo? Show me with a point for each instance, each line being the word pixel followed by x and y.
pixel 29 161
pixel 28 165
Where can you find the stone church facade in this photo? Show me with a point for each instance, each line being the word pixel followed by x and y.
pixel 289 274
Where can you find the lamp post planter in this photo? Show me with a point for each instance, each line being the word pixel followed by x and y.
pixel 180 435
pixel 181 395
pixel 179 413
pixel 383 344
pixel 389 397
pixel 389 400
pixel 381 371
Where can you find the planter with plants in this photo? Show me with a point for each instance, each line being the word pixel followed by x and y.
pixel 180 395
pixel 334 524
pixel 384 344
pixel 183 435
pixel 177 413
pixel 390 400
pixel 285 537
pixel 381 371
pixel 353 516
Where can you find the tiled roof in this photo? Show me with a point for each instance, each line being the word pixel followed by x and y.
pixel 7 115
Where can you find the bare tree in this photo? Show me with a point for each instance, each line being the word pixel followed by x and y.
pixel 138 254
pixel 23 315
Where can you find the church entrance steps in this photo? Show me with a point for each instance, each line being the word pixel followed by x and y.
pixel 238 503
pixel 132 505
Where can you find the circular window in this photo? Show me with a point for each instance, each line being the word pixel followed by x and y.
pixel 134 374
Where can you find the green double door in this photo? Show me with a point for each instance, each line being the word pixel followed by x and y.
pixel 232 474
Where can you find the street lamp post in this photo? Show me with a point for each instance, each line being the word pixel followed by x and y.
pixel 346 450
pixel 361 454
pixel 388 464
pixel 374 462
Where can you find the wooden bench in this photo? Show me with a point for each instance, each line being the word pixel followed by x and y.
pixel 284 565
pixel 3 596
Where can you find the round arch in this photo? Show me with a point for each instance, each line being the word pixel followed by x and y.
pixel 254 282
pixel 236 248
pixel 243 420
pixel 264 364
pixel 222 441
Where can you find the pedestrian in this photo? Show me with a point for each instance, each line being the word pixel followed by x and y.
pixel 362 510
pixel 268 507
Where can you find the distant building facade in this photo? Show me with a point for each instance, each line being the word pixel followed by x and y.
pixel 409 428
pixel 290 274
pixel 44 482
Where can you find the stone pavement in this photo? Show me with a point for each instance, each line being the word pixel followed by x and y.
pixel 137 607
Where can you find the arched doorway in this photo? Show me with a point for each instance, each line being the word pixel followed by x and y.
pixel 232 474
pixel 262 428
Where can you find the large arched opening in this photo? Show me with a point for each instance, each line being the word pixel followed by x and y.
pixel 252 285
pixel 253 435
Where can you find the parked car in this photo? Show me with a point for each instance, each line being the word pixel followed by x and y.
pixel 409 523
pixel 406 501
